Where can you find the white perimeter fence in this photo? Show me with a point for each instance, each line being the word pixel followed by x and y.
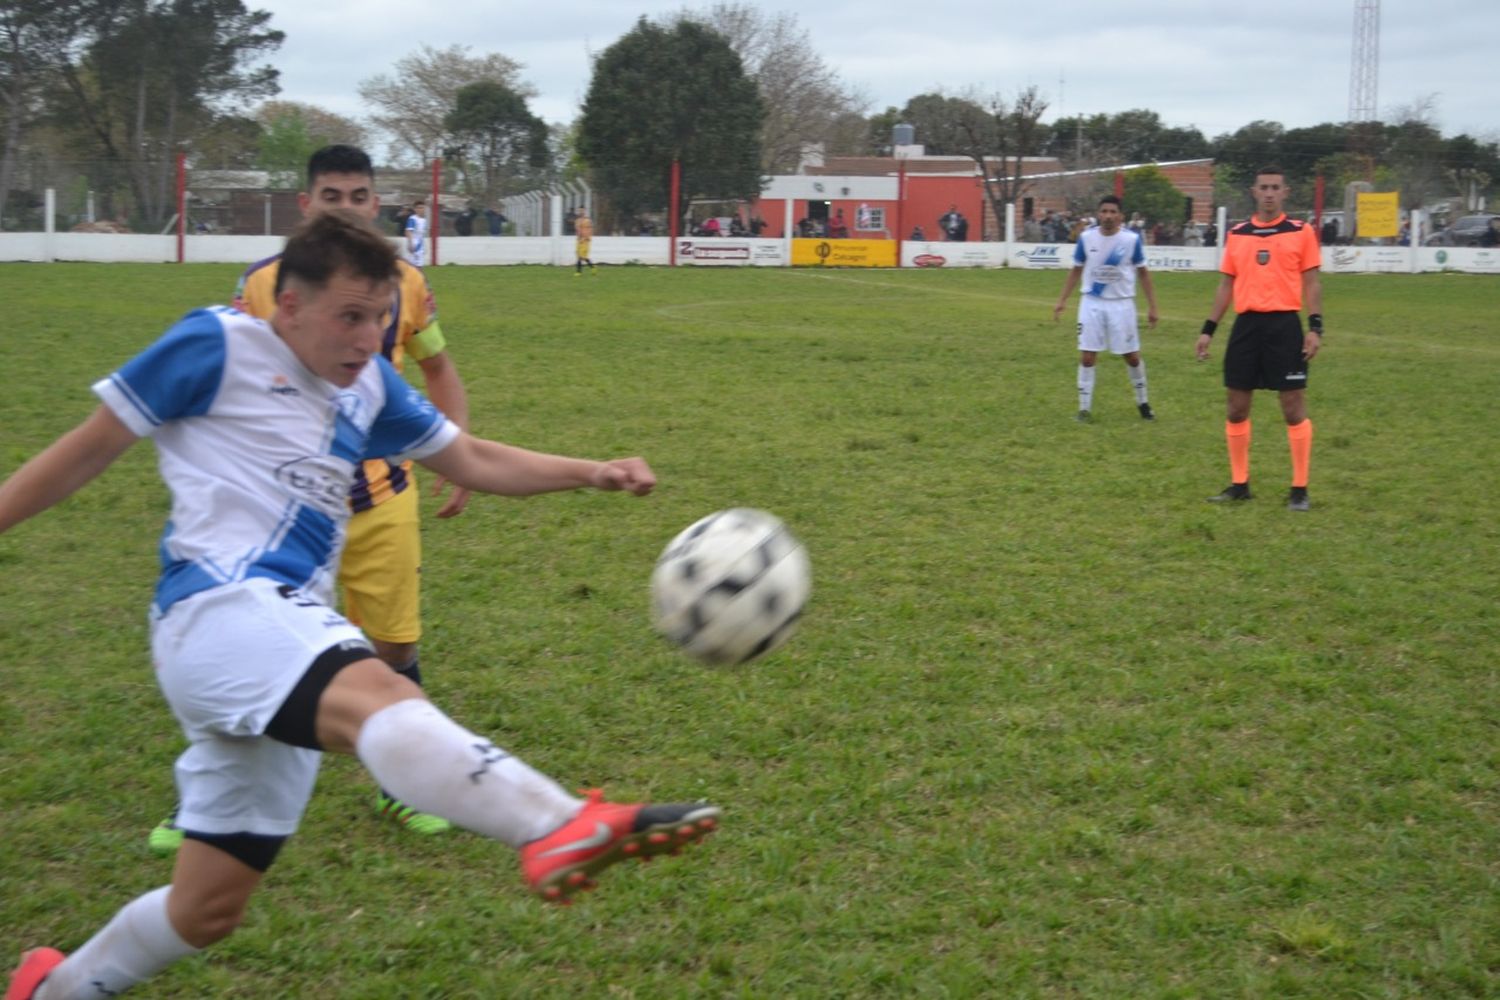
pixel 557 249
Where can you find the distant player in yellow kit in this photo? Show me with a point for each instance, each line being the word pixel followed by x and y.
pixel 583 226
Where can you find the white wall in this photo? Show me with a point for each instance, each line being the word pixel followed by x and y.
pixel 558 250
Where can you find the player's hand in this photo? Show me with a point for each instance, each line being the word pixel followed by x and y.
pixel 632 475
pixel 1057 311
pixel 457 501
pixel 1151 317
pixel 1311 342
pixel 1204 340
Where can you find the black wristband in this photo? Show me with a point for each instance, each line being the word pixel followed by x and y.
pixel 1315 323
pixel 1209 326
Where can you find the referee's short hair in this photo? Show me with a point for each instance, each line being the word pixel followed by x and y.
pixel 332 242
pixel 1271 168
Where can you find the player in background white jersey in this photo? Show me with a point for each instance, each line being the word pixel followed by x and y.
pixel 416 234
pixel 259 428
pixel 1107 259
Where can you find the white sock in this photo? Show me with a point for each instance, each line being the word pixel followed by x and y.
pixel 436 766
pixel 134 946
pixel 1085 387
pixel 1138 380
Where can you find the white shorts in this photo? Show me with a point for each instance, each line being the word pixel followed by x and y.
pixel 227 659
pixel 1107 324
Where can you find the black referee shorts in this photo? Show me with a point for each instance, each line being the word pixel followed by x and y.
pixel 1265 352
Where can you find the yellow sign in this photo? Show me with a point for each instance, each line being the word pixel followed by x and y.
pixel 1379 214
pixel 844 253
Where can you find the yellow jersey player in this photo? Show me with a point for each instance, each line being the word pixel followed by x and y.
pixel 379 573
pixel 583 228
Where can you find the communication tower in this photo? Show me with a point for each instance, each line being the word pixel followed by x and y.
pixel 1364 66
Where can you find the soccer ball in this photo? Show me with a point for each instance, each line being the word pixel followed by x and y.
pixel 731 586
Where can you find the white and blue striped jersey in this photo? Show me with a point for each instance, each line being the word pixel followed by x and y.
pixel 258 452
pixel 1109 262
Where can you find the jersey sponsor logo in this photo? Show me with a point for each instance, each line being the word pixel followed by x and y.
pixel 318 481
pixel 1262 256
pixel 279 387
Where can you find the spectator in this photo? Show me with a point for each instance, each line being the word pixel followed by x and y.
pixel 1491 236
pixel 757 225
pixel 1211 234
pixel 838 229
pixel 917 234
pixel 711 226
pixel 463 222
pixel 1192 234
pixel 496 220
pixel 1031 232
pixel 950 222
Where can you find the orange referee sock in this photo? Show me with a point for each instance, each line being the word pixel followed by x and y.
pixel 1238 436
pixel 1300 437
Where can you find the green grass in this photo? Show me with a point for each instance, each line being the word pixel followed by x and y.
pixel 1053 726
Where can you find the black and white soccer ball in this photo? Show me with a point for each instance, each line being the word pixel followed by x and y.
pixel 731 586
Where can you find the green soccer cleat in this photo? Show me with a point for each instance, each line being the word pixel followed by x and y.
pixel 165 838
pixel 417 822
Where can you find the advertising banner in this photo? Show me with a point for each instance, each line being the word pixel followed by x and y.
pixel 928 254
pixel 843 253
pixel 1378 214
pixel 730 252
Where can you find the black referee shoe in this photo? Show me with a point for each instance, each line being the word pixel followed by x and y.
pixel 1232 492
pixel 1297 499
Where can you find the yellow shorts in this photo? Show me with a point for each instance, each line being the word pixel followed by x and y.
pixel 583 249
pixel 381 571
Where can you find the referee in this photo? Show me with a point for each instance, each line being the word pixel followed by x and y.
pixel 1271 269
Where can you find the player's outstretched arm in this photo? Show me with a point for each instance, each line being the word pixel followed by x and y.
pixel 492 467
pixel 64 467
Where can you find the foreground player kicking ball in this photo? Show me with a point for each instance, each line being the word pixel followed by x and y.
pixel 259 427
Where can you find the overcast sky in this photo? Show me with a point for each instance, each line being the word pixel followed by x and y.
pixel 1210 64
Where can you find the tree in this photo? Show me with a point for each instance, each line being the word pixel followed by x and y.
pixel 805 103
pixel 1149 192
pixel 33 34
pixel 995 133
pixel 662 94
pixel 146 75
pixel 491 125
pixel 292 131
pixel 1246 150
pixel 412 103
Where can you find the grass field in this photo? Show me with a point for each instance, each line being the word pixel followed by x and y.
pixel 1053 726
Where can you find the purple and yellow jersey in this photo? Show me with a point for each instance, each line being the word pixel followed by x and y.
pixel 413 331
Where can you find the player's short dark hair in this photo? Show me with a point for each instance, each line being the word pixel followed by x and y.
pixel 1110 199
pixel 1271 168
pixel 338 159
pixel 333 242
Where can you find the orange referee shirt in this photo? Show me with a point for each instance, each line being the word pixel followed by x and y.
pixel 1266 260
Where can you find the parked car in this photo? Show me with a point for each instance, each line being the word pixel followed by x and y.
pixel 1465 232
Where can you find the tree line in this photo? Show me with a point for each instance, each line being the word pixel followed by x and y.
pixel 731 92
